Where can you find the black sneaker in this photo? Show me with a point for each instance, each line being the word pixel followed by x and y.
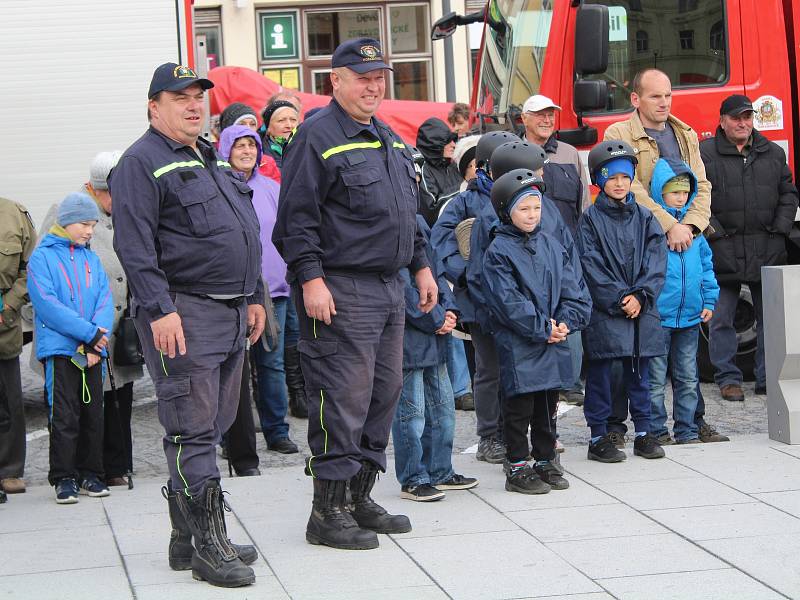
pixel 93 487
pixel 491 450
pixel 708 434
pixel 551 475
pixel 603 450
pixel 457 482
pixel 525 481
pixel 67 491
pixel 617 438
pixel 284 446
pixel 421 493
pixel 646 446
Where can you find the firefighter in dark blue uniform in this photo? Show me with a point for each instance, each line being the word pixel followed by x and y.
pixel 346 226
pixel 187 235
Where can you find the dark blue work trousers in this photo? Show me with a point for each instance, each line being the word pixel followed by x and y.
pixel 198 393
pixel 597 401
pixel 353 370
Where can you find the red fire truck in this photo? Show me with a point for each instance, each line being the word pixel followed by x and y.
pixel 584 56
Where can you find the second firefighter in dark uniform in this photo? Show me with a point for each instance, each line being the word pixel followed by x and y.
pixel 346 226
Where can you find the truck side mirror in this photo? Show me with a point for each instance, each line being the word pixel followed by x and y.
pixel 591 39
pixel 445 27
pixel 589 95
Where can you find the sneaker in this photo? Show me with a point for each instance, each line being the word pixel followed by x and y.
pixel 283 446
pixel 617 438
pixel 761 390
pixel 491 450
pixel 67 491
pixel 665 439
pixel 732 392
pixel 465 402
pixel 93 487
pixel 574 397
pixel 604 450
pixel 421 493
pixel 559 447
pixel 646 446
pixel 551 475
pixel 457 482
pixel 689 441
pixel 708 434
pixel 525 481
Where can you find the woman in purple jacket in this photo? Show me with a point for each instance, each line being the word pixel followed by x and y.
pixel 242 148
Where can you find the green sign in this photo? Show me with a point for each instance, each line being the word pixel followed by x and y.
pixel 278 35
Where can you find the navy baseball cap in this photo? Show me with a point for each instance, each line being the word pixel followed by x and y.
pixel 172 77
pixel 362 55
pixel 735 104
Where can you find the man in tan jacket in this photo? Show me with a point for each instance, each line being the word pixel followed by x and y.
pixel 654 133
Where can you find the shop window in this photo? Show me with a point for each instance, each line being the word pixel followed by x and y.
pixel 411 80
pixel 409 27
pixel 208 26
pixel 326 30
pixel 322 82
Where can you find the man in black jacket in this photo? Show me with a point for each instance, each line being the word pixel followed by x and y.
pixel 440 180
pixel 753 204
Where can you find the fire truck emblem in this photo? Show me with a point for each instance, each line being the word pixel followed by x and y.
pixel 768 113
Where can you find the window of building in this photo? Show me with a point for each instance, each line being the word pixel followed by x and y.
pixel 208 36
pixel 657 36
pixel 687 39
pixel 309 37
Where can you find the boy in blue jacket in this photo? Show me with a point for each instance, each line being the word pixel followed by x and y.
pixel 689 295
pixel 73 315
pixel 624 255
pixel 535 297
pixel 424 423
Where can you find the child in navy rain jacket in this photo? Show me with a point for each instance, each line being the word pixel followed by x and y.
pixel 73 315
pixel 689 296
pixel 424 423
pixel 535 298
pixel 623 254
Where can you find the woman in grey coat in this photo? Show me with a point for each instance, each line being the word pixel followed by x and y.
pixel 117 440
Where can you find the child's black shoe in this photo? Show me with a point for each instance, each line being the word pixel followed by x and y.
pixel 646 446
pixel 551 475
pixel 524 480
pixel 604 450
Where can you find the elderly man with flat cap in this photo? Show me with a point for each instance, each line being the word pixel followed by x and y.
pixel 187 236
pixel 346 226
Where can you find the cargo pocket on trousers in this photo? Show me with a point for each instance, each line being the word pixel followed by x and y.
pixel 173 394
pixel 319 362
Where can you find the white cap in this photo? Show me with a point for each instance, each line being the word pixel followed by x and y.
pixel 537 103
pixel 100 168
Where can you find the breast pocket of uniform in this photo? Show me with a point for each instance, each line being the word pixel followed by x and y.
pixel 205 208
pixel 10 254
pixel 367 199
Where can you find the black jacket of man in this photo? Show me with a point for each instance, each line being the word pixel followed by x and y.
pixel 441 180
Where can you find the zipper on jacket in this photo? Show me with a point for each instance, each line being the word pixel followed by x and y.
pixel 683 291
pixel 77 278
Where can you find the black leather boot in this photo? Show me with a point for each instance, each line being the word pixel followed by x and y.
pixel 330 524
pixel 214 559
pixel 368 513
pixel 180 539
pixel 298 403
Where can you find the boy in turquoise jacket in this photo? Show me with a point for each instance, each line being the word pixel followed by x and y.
pixel 73 314
pixel 689 295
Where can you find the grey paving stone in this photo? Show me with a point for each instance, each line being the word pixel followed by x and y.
pixel 785 501
pixel 721 584
pixel 634 468
pixel 593 596
pixel 466 568
pixel 78 584
pixel 674 493
pixel 580 523
pixel 36 510
pixel 200 590
pixel 770 558
pixel 726 521
pixel 635 555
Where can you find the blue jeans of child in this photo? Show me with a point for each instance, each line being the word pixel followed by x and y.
pixel 575 345
pixel 457 367
pixel 681 359
pixel 272 399
pixel 423 427
pixel 597 403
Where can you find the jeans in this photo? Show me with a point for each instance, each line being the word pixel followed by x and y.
pixel 423 427
pixel 597 403
pixel 722 342
pixel 682 362
pixel 576 354
pixel 273 401
pixel 291 328
pixel 457 367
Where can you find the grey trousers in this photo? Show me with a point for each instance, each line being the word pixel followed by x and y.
pixel 198 393
pixel 12 421
pixel 486 387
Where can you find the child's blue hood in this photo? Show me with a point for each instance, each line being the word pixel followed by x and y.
pixel 665 170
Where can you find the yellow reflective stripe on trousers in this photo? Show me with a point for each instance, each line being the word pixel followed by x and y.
pixel 321 416
pixel 345 147
pixel 178 462
pixel 176 165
